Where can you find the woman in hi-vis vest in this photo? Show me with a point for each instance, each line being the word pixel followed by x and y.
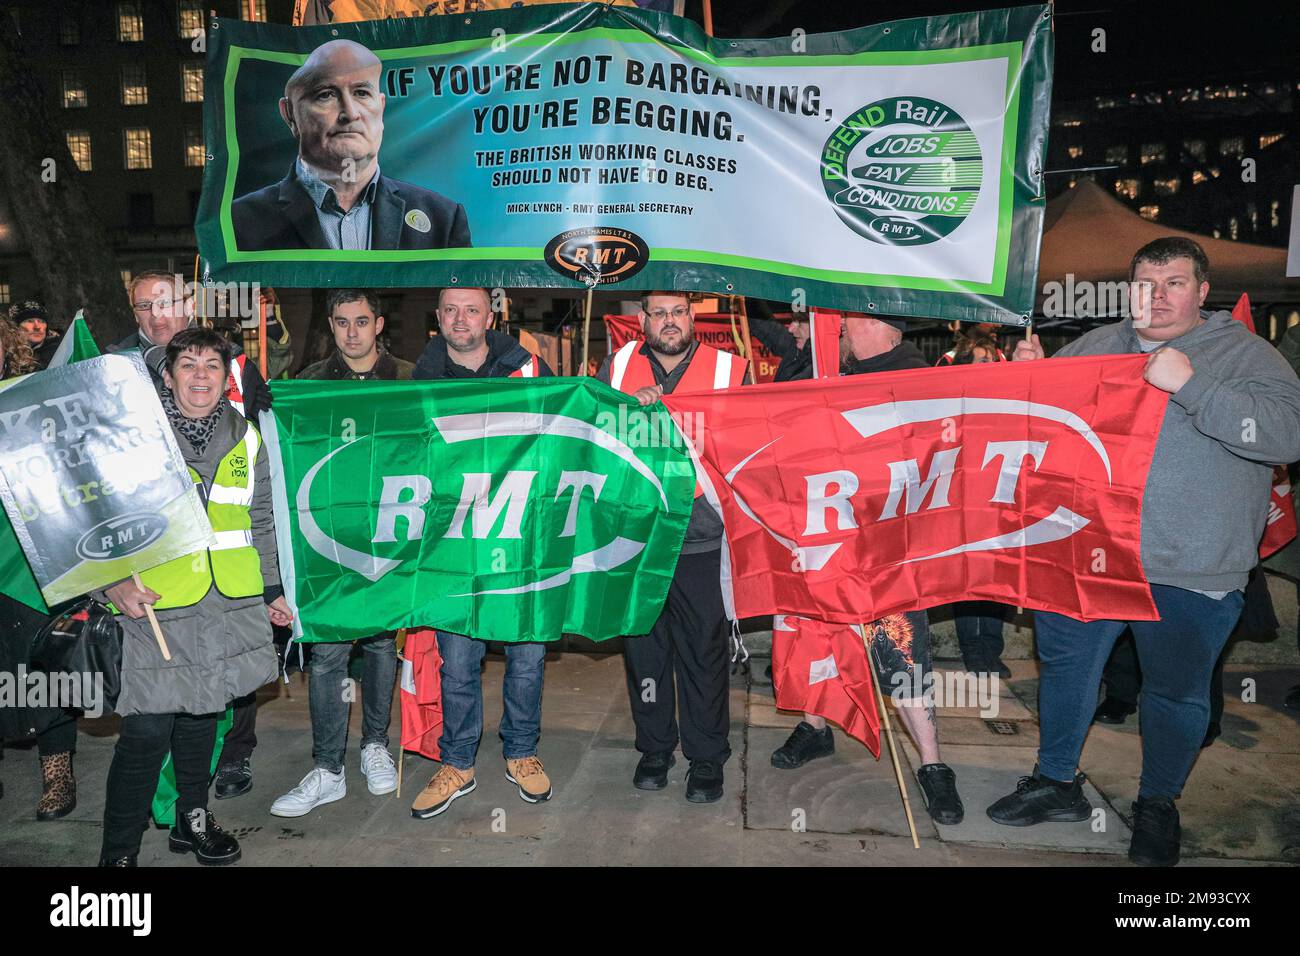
pixel 215 608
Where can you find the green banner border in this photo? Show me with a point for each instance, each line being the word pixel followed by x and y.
pixel 1008 298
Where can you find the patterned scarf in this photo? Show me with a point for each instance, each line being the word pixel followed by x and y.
pixel 197 431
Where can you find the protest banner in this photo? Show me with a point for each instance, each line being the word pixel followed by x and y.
pixel 91 477
pixel 510 511
pixel 311 12
pixel 891 169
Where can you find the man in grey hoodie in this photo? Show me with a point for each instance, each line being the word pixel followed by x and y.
pixel 1234 412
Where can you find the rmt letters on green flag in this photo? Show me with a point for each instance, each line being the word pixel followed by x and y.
pixel 91 476
pixel 508 511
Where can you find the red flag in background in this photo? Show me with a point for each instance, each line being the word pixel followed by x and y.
pixel 1281 526
pixel 824 329
pixel 852 499
pixel 823 669
pixel 421 694
pixel 710 328
pixel 1241 312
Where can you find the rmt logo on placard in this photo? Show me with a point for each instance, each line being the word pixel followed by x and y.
pixel 120 536
pixel 598 255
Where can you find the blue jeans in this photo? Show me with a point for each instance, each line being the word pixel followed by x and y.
pixel 462 698
pixel 1177 654
pixel 979 630
pixel 329 703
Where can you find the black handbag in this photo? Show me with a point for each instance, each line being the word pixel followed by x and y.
pixel 83 638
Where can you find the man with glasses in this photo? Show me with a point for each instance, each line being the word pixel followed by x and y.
pixel 163 306
pixel 689 641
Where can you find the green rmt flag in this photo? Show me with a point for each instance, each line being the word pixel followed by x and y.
pixel 506 509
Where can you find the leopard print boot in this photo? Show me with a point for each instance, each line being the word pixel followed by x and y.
pixel 59 796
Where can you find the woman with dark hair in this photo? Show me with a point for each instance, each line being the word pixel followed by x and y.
pixel 55 728
pixel 213 608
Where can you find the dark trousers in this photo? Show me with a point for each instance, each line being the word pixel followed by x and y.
pixel 241 738
pixel 688 643
pixel 979 630
pixel 1177 653
pixel 142 745
pixel 60 737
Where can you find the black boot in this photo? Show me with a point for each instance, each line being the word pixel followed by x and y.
pixel 1112 710
pixel 197 832
pixel 121 861
pixel 1039 799
pixel 806 743
pixel 1156 832
pixel 939 785
pixel 234 779
pixel 652 771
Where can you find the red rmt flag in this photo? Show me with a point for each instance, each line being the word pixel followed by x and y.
pixel 421 693
pixel 823 669
pixel 852 499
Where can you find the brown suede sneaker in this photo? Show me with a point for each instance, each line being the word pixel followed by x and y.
pixel 527 774
pixel 447 784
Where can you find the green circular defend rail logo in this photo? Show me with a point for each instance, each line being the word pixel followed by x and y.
pixel 903 171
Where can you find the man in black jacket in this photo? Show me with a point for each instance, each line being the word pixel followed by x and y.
pixel 900 643
pixel 334 196
pixel 468 347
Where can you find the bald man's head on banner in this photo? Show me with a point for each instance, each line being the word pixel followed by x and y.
pixel 334 107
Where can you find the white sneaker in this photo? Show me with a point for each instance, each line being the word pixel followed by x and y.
pixel 316 789
pixel 378 768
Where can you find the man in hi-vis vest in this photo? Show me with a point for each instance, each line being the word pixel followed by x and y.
pixel 468 347
pixel 690 637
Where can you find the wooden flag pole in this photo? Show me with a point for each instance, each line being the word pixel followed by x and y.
pixel 744 335
pixel 889 732
pixel 586 330
pixel 153 621
pixel 708 17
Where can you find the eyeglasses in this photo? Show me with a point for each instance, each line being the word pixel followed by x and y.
pixel 681 312
pixel 162 304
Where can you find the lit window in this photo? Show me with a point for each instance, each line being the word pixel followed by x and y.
pixel 1075 151
pixel 1105 102
pixel 74 90
pixel 79 147
pixel 1149 212
pixel 259 10
pixel 189 19
pixel 195 151
pixel 1198 177
pixel 1268 139
pixel 192 82
pixel 1128 188
pixel 1273 219
pixel 1195 148
pixel 1189 96
pixel 4 293
pixel 1153 153
pixel 1232 146
pixel 130 22
pixel 1167 187
pixel 135 90
pixel 1233 227
pixel 69 29
pixel 1117 154
pixel 1072 122
pixel 139 148
pixel 1253 213
pixel 1214 171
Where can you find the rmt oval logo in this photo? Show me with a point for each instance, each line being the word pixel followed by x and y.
pixel 120 536
pixel 598 255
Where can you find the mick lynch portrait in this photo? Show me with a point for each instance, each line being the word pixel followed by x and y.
pixel 335 196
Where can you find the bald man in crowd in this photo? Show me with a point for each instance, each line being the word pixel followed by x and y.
pixel 335 196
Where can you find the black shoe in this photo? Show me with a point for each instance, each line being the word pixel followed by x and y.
pixel 806 743
pixel 767 671
pixel 1292 699
pixel 120 861
pixel 234 780
pixel 704 781
pixel 1002 669
pixel 1112 710
pixel 197 832
pixel 1038 800
pixel 939 785
pixel 1211 735
pixel 652 771
pixel 1156 832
